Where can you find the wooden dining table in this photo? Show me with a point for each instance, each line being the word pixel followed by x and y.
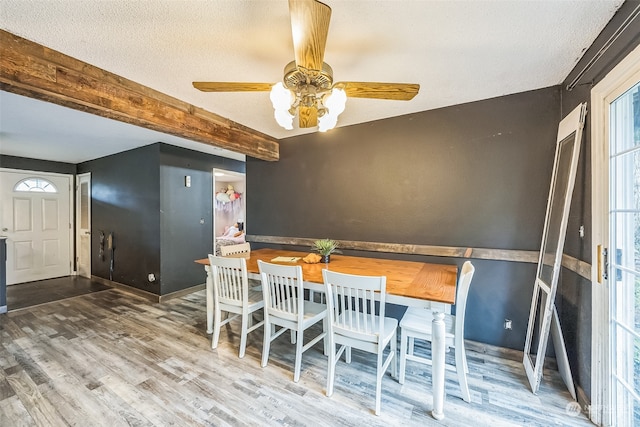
pixel 409 283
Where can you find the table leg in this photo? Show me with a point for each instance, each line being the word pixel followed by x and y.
pixel 209 292
pixel 438 355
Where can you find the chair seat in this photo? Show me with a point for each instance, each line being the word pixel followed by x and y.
pixel 313 309
pixel 390 326
pixel 255 299
pixel 419 320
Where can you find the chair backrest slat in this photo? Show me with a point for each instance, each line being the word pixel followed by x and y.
pixel 351 304
pixel 282 287
pixel 230 283
pixel 235 249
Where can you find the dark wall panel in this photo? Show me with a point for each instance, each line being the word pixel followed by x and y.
pixel 22 163
pixel 472 175
pixel 187 213
pixel 125 193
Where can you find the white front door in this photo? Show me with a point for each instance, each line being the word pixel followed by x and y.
pixel 83 224
pixel 36 220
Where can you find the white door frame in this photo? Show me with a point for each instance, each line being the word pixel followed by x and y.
pixel 614 84
pixel 70 177
pixel 79 233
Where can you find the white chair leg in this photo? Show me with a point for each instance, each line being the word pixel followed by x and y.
pixel 379 374
pixel 464 356
pixel 411 345
pixel 394 351
pixel 403 355
pixel 298 363
pixel 462 375
pixel 331 368
pixel 266 343
pixel 347 356
pixel 216 330
pixel 293 336
pixel 243 334
pixel 210 301
pixel 325 329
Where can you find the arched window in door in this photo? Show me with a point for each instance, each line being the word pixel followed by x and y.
pixel 35 184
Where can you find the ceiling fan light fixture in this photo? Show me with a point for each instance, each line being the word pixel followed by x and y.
pixel 307 89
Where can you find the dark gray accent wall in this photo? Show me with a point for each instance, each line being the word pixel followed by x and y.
pixel 125 201
pixel 186 213
pixel 22 163
pixel 473 175
pixel 141 196
pixel 574 292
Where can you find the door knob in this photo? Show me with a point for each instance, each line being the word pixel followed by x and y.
pixel 5 229
pixel 87 232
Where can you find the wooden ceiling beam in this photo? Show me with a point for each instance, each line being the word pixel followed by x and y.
pixel 33 70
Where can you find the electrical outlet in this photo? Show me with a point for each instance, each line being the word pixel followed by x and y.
pixel 152 277
pixel 507 324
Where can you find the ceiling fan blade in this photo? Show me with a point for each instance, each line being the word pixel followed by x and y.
pixel 307 116
pixel 309 27
pixel 395 91
pixel 232 87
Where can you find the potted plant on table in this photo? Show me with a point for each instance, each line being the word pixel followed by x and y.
pixel 325 247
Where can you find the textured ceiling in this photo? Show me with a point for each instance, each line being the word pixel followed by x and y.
pixel 458 51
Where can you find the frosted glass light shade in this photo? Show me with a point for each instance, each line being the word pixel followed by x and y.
pixel 327 122
pixel 334 104
pixel 284 118
pixel 281 97
pixel 336 101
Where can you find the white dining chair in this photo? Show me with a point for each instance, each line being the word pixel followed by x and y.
pixel 417 324
pixel 240 248
pixel 231 294
pixel 353 323
pixel 285 306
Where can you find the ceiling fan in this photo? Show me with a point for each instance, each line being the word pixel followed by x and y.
pixel 307 87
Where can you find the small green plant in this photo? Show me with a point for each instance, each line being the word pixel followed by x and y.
pixel 326 246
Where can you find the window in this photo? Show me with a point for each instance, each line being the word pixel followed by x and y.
pixel 35 184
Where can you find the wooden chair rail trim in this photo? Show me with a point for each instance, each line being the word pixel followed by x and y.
pixel 579 267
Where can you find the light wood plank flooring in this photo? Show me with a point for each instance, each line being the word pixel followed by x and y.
pixel 111 358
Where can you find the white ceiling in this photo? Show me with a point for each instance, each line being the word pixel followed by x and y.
pixel 458 51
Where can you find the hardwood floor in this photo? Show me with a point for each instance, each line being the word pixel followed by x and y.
pixel 111 358
pixel 43 291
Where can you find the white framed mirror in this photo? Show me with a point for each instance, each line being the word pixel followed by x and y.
pixel 542 309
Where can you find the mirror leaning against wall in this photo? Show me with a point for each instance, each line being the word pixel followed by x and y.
pixel 543 312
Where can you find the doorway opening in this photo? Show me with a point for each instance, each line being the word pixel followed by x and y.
pixel 229 208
